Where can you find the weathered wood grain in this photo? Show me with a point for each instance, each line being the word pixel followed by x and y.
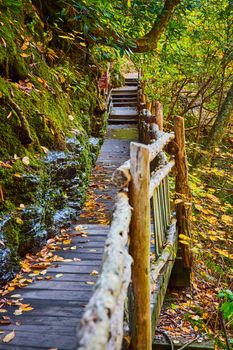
pixel 140 246
pixel 103 318
pixel 183 211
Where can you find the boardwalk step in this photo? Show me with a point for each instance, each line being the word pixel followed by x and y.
pixel 124 98
pixel 123 121
pixel 131 83
pixel 125 95
pixel 125 89
pixel 124 103
pixel 123 112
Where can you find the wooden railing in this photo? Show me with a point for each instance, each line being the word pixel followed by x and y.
pixel 102 323
pixel 144 233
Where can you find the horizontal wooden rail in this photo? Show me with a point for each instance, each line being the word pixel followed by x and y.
pixel 159 175
pixel 156 147
pixel 122 177
pixel 161 271
pixel 101 326
pixel 168 253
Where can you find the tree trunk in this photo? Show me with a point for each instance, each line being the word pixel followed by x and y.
pixel 150 40
pixel 219 127
pixel 221 122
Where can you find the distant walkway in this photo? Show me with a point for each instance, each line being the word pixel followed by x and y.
pixel 58 302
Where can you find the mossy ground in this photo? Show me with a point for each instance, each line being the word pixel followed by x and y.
pixel 54 99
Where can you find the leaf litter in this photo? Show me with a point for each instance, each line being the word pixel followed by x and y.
pixel 193 313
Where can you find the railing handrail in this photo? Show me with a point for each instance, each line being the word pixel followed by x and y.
pixel 122 177
pixel 102 323
pixel 129 237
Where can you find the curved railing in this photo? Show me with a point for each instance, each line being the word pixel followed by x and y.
pixel 142 243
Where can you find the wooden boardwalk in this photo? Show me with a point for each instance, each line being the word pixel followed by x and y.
pixel 58 303
pixel 125 102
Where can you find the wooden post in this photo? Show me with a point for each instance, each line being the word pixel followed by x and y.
pixel 143 98
pixel 140 246
pixel 1 194
pixel 148 106
pixel 157 111
pixel 183 211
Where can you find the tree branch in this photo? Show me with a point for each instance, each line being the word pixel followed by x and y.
pixel 150 40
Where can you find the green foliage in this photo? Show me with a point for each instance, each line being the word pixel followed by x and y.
pixel 227 304
pixel 191 70
pixel 15 4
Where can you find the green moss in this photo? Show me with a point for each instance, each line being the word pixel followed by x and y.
pixel 58 100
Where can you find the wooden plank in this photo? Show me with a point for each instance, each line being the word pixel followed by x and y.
pixel 18 347
pixel 90 238
pixel 61 285
pixel 80 249
pixel 123 121
pixel 125 103
pixel 91 256
pixel 56 295
pixel 81 269
pixel 46 341
pixel 74 277
pixel 124 98
pixel 123 112
pixel 140 246
pixel 125 94
pixel 125 89
pixel 48 320
pixel 87 244
pixel 29 328
pixel 44 308
pixel 133 75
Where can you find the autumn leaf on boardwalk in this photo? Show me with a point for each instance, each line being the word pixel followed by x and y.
pixel 10 336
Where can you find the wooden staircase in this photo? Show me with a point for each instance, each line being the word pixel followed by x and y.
pixel 124 102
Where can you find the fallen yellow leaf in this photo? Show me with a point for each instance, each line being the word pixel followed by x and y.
pixel 9 337
pixel 94 273
pixel 226 219
pixel 18 312
pixel 16 296
pixel 26 160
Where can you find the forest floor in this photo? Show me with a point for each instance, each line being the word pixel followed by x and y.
pixel 194 313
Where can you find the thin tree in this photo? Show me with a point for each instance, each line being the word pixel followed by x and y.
pixel 219 127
